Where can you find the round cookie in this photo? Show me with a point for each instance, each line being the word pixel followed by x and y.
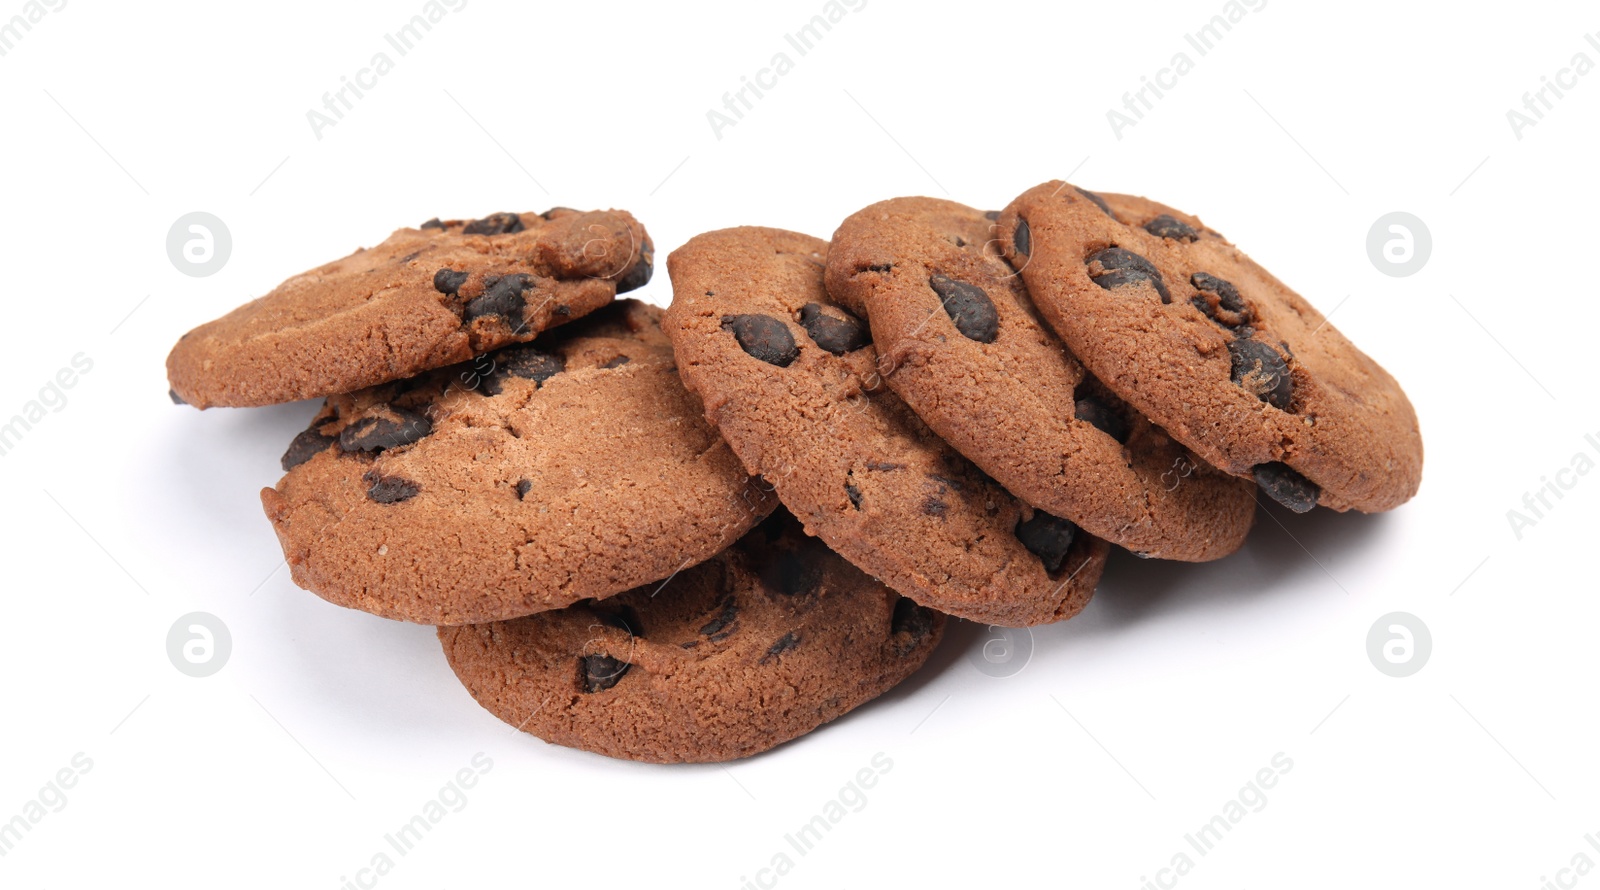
pixel 791 381
pixel 765 642
pixel 960 342
pixel 535 476
pixel 424 298
pixel 1214 349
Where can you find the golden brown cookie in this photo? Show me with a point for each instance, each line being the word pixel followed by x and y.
pixel 423 299
pixel 536 476
pixel 765 642
pixel 1214 349
pixel 791 381
pixel 959 340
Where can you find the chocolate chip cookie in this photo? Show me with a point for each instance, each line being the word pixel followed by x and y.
pixel 424 298
pixel 767 641
pixel 528 479
pixel 791 381
pixel 960 342
pixel 1214 349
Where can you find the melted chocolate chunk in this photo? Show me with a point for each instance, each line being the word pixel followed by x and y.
pixel 378 433
pixel 640 274
pixel 1022 238
pixel 306 445
pixel 523 487
pixel 1097 201
pixel 836 335
pixel 1168 226
pixel 1103 418
pixel 433 224
pixel 501 296
pixel 176 399
pixel 991 215
pixel 969 308
pixel 1221 302
pixel 597 673
pixel 763 337
pixel 449 281
pixel 1287 487
pixel 494 224
pixel 784 644
pixel 1118 267
pixel 1262 372
pixel 528 363
pixel 389 489
pixel 1047 537
pixel 854 494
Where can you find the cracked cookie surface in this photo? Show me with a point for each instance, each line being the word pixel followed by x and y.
pixel 791 380
pixel 1210 346
pixel 424 298
pixel 530 478
pixel 960 341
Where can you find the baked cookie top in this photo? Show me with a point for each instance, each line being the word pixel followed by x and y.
pixel 424 298
pixel 791 381
pixel 531 478
pixel 1214 349
pixel 960 342
pixel 765 642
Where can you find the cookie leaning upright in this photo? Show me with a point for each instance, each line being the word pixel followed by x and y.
pixel 1213 348
pixel 538 475
pixel 960 342
pixel 764 642
pixel 422 299
pixel 790 380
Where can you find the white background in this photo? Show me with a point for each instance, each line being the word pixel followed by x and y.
pixel 1128 726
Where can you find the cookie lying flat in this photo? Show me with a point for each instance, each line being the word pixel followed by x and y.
pixel 790 380
pixel 423 299
pixel 959 341
pixel 536 476
pixel 769 640
pixel 1211 347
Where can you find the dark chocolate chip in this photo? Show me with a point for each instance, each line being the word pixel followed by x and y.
pixel 1120 267
pixel 836 335
pixel 494 224
pixel 912 620
pixel 1103 418
pixel 991 215
pixel 763 337
pixel 1262 372
pixel 969 307
pixel 529 363
pixel 854 494
pixel 884 466
pixel 720 627
pixel 389 489
pixel 523 487
pixel 932 506
pixel 784 644
pixel 1022 238
pixel 378 433
pixel 1287 487
pixel 433 224
pixel 597 673
pixel 880 267
pixel 502 297
pixel 448 281
pixel 176 399
pixel 1047 537
pixel 1168 226
pixel 1221 302
pixel 791 573
pixel 1097 201
pixel 617 362
pixel 306 445
pixel 639 275
pixel 409 257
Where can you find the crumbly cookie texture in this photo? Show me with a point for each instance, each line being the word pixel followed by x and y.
pixel 960 341
pixel 533 477
pixel 422 299
pixel 767 641
pixel 1214 349
pixel 791 381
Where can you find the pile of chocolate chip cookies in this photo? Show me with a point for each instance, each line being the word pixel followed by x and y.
pixel 695 534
